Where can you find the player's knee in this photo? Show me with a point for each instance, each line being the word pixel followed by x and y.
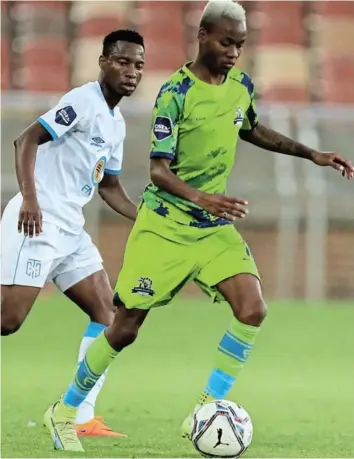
pixel 122 337
pixel 252 312
pixel 128 335
pixel 10 323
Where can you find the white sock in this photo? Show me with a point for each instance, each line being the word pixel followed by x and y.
pixel 86 411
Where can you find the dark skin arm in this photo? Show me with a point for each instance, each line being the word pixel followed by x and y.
pixel 263 137
pixel 112 192
pixel 216 204
pixel 26 145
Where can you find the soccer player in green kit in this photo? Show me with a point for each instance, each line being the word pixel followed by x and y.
pixel 184 229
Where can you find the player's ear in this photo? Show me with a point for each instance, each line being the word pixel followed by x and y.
pixel 202 34
pixel 101 61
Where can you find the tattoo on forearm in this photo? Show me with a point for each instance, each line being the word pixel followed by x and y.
pixel 268 139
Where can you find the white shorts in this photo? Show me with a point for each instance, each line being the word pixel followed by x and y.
pixel 55 255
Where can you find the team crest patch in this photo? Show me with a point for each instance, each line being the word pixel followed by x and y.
pixel 162 127
pixel 144 287
pixel 239 117
pixel 33 268
pixel 65 116
pixel 98 171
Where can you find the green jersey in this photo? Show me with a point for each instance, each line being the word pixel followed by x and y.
pixel 196 125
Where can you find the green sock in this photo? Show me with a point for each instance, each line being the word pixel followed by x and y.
pixel 98 358
pixel 233 351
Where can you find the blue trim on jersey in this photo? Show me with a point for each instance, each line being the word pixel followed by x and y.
pixel 247 82
pixel 48 128
pixel 161 154
pixel 112 172
pixel 111 111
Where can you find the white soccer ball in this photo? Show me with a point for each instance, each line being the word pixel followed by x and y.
pixel 221 429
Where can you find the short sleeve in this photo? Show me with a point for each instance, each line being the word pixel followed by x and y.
pixel 114 164
pixel 251 117
pixel 165 120
pixel 71 108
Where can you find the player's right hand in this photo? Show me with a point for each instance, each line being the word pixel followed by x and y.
pixel 30 218
pixel 223 206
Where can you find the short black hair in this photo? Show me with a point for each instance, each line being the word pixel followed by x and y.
pixel 131 36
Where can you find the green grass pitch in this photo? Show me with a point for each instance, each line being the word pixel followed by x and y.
pixel 298 385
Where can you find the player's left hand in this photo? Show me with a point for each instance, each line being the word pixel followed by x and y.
pixel 334 160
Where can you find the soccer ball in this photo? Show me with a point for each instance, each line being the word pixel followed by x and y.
pixel 221 429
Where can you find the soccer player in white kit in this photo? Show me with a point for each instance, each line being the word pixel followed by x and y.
pixel 60 158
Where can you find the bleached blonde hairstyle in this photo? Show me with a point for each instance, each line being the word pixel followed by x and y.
pixel 217 9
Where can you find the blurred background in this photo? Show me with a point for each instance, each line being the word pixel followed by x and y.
pixel 301 57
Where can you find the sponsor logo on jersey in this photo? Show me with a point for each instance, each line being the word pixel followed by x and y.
pixel 87 189
pixel 162 128
pixel 97 142
pixel 98 139
pixel 144 287
pixel 65 116
pixel 239 117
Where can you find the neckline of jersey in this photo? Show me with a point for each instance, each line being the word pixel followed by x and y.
pixel 111 110
pixel 216 87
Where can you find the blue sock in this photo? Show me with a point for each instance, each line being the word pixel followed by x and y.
pixel 98 358
pixel 233 351
pixel 92 331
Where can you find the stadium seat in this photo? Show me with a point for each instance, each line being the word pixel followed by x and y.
pixel 41 51
pixel 45 52
pixel 280 67
pixel 334 8
pixel 163 30
pixel 5 64
pixel 97 19
pixel 85 65
pixel 5 47
pixel 50 80
pixel 280 23
pixel 338 75
pixel 191 17
pixel 43 65
pixel 333 34
pixel 84 11
pixel 40 18
pixel 94 20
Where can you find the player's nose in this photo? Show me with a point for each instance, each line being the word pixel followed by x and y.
pixel 233 53
pixel 131 71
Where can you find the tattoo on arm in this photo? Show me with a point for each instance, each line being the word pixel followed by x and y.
pixel 266 138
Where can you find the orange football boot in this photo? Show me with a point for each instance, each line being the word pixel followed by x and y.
pixel 96 428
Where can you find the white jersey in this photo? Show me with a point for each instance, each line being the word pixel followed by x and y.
pixel 87 142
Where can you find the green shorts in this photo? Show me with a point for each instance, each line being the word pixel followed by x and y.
pixel 162 255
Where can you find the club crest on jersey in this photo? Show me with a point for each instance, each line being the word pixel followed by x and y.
pixel 98 171
pixel 144 287
pixel 33 268
pixel 65 116
pixel 239 117
pixel 162 128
